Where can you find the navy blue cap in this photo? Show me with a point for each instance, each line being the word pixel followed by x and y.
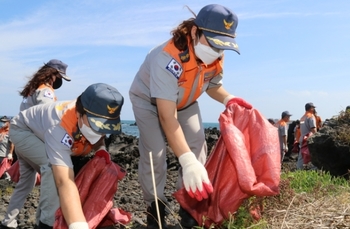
pixel 219 26
pixel 286 113
pixel 103 104
pixel 309 105
pixel 60 67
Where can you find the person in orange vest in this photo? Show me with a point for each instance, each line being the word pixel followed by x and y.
pixel 46 136
pixel 164 97
pixel 307 126
pixel 271 121
pixel 40 89
pixel 282 127
pixel 6 146
pixel 297 131
pixel 318 120
pixel 295 147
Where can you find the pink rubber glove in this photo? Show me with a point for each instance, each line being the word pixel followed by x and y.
pixel 195 177
pixel 240 102
pixel 105 154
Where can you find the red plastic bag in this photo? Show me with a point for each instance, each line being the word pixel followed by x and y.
pixel 305 153
pixel 295 148
pixel 5 165
pixel 245 162
pixel 115 216
pixel 97 183
pixel 13 171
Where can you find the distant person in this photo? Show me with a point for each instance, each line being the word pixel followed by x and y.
pixel 347 109
pixel 271 121
pixel 296 135
pixel 40 87
pixel 282 126
pixel 318 120
pixel 38 90
pixel 46 136
pixel 290 139
pixel 6 146
pixel 326 122
pixel 164 97
pixel 297 130
pixel 307 125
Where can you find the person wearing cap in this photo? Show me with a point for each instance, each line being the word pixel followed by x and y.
pixel 318 120
pixel 46 136
pixel 282 128
pixel 6 146
pixel 307 125
pixel 38 90
pixel 164 97
pixel 271 121
pixel 40 87
pixel 347 109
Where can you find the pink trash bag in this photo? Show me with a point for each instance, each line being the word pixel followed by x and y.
pixel 14 173
pixel 4 166
pixel 305 153
pixel 97 182
pixel 245 162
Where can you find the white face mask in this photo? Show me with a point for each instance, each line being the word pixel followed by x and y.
pixel 207 54
pixel 89 134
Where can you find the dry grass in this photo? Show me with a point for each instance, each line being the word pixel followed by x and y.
pixel 327 205
pixel 304 211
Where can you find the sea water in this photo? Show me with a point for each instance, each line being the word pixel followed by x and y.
pixel 129 127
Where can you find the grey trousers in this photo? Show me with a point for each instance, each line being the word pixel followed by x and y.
pixel 152 139
pixel 300 161
pixel 32 158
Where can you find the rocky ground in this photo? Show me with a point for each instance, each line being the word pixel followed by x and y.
pixel 124 152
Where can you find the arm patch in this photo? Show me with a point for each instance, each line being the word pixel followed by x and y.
pixel 175 68
pixel 67 141
pixel 48 93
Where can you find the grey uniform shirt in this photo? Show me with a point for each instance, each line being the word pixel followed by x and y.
pixel 306 124
pixel 282 131
pixel 45 122
pixel 4 144
pixel 154 80
pixel 44 94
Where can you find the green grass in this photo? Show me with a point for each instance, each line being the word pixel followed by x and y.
pixel 311 180
pixel 311 183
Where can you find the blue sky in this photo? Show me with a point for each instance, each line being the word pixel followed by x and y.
pixel 292 51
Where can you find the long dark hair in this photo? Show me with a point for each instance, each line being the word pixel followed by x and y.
pixel 182 33
pixel 42 76
pixel 79 106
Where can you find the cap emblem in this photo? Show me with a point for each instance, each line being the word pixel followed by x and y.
pixel 228 24
pixel 111 110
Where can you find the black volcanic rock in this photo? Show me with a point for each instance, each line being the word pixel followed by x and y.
pixel 330 147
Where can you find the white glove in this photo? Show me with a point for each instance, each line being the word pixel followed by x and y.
pixel 228 98
pixel 9 156
pixel 195 177
pixel 79 225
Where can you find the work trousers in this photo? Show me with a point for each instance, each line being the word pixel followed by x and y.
pixel 32 158
pixel 152 139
